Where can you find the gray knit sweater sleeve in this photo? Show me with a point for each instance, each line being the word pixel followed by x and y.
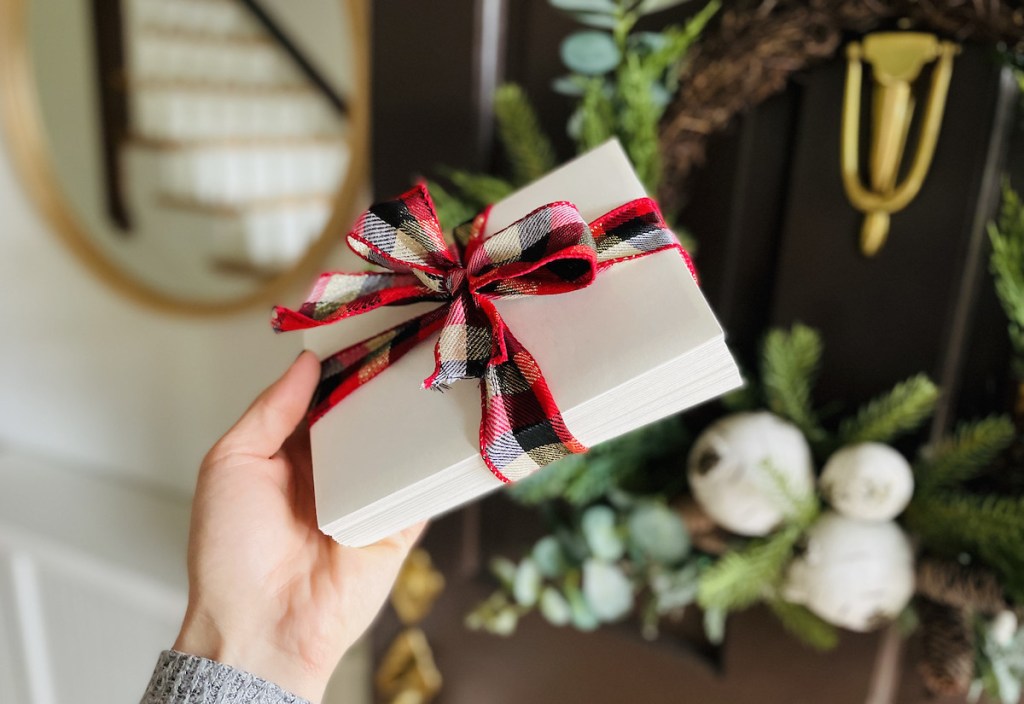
pixel 189 679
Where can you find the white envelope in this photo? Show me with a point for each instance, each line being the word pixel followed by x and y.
pixel 637 345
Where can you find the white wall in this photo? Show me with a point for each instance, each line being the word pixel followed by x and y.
pixel 90 376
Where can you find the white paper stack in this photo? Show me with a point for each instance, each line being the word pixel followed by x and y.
pixel 637 345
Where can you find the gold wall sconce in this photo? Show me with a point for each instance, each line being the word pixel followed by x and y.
pixel 896 60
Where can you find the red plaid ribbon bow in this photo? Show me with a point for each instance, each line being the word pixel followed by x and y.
pixel 551 250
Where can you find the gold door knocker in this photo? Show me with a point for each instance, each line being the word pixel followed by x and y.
pixel 896 60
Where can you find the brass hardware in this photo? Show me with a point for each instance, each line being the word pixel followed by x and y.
pixel 407 673
pixel 896 60
pixel 417 588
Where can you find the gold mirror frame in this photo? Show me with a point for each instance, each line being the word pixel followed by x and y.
pixel 27 142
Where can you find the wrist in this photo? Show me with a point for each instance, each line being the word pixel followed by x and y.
pixel 243 649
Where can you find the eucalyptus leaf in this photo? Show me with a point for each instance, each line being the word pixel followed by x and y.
pixel 596 20
pixel 574 127
pixel 569 85
pixel 608 591
pixel 603 6
pixel 647 42
pixel 554 607
pixel 676 589
pixel 504 570
pixel 590 53
pixel 599 530
pixel 658 533
pixel 583 618
pixel 714 625
pixel 504 622
pixel 1009 685
pixel 526 587
pixel 547 554
pixel 660 95
pixel 649 7
pixel 574 545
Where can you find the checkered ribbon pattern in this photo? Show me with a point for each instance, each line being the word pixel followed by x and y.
pixel 549 251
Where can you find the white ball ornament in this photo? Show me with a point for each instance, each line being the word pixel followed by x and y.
pixel 869 480
pixel 854 574
pixel 736 465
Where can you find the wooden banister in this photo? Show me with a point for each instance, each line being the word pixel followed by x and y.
pixel 298 57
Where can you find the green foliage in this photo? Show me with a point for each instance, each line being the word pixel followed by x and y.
pixel 582 479
pixel 451 210
pixel 803 509
pixel 745 398
pixel 714 625
pixel 639 115
pixel 594 119
pixel 678 41
pixel 594 566
pixel 962 456
pixel 789 366
pixel 478 189
pixel 590 53
pixel 999 660
pixel 657 534
pixel 1007 266
pixel 744 577
pixel 900 410
pixel 527 148
pixel 990 528
pixel 810 628
pixel 623 80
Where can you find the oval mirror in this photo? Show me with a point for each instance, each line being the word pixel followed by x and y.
pixel 201 154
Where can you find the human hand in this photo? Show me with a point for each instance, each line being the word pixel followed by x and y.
pixel 268 592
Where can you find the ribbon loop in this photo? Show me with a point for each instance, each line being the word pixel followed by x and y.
pixel 404 236
pixel 549 251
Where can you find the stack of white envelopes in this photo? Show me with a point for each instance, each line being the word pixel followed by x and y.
pixel 638 344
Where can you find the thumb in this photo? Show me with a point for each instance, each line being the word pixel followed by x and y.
pixel 276 412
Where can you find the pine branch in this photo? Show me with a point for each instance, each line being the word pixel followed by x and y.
pixel 601 473
pixel 549 483
pixel 678 42
pixel 805 625
pixel 596 116
pixel 527 148
pixel 803 509
pixel 638 121
pixel 1007 266
pixel 744 577
pixel 901 410
pixel 451 210
pixel 959 458
pixel 583 479
pixel 789 365
pixel 988 527
pixel 478 189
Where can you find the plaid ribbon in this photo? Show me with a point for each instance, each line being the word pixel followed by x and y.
pixel 552 250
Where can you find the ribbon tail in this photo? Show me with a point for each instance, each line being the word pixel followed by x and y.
pixel 347 370
pixel 521 428
pixel 339 295
pixel 465 344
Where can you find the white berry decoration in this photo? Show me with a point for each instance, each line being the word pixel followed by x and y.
pixel 869 480
pixel 736 468
pixel 855 574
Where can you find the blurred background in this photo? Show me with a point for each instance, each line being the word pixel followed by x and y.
pixel 844 173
